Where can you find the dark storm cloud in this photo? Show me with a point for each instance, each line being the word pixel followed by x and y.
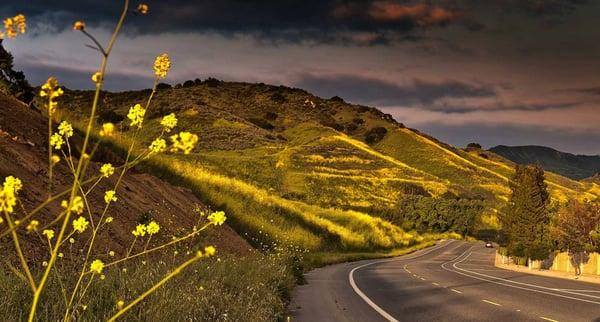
pixel 449 108
pixel 326 21
pixel 77 79
pixel 379 92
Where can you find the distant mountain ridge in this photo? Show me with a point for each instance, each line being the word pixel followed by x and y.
pixel 567 164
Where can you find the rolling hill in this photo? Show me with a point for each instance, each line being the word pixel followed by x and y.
pixel 318 173
pixel 569 165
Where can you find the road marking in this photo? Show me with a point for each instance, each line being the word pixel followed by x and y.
pixel 518 310
pixel 415 275
pixel 548 319
pixel 422 279
pixel 367 300
pixel 495 280
pixel 456 291
pixel 436 284
pixel 492 303
pixel 409 272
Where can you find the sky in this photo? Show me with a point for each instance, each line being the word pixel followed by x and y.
pixel 512 72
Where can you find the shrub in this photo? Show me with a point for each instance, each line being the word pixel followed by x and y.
pixel 375 135
pixel 474 146
pixel 162 86
pixel 262 123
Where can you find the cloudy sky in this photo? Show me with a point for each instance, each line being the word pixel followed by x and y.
pixel 511 72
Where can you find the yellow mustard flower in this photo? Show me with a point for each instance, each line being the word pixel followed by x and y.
pixel 80 224
pixel 56 140
pixel 158 145
pixel 97 77
pixel 107 170
pixel 140 230
pixel 97 266
pixel 48 233
pixel 143 8
pixel 169 122
pixel 109 196
pixel 161 67
pixel 120 304
pixel 109 220
pixel 111 253
pixel 13 184
pixel 8 193
pixel 13 26
pixel 79 25
pixel 55 159
pixel 32 226
pixel 65 129
pixel 72 240
pixel 152 228
pixel 184 141
pixel 76 207
pixel 210 250
pixel 61 255
pixel 51 90
pixel 107 129
pixel 136 115
pixel 217 218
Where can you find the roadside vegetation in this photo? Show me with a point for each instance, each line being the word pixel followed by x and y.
pixel 533 226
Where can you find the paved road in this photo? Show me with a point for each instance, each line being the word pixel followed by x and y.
pixel 452 281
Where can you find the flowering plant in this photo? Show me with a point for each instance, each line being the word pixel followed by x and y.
pixel 77 218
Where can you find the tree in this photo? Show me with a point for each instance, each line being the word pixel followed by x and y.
pixel 575 230
pixel 474 146
pixel 525 223
pixel 13 82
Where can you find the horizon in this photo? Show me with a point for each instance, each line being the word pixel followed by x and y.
pixel 524 75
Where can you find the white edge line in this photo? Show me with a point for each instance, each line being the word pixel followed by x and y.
pixel 495 280
pixel 365 298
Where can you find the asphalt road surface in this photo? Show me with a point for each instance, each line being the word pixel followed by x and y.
pixel 452 281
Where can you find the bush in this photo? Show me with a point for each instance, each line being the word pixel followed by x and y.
pixel 163 86
pixel 188 83
pixel 262 123
pixel 375 135
pixel 337 99
pixel 475 146
pixel 271 116
pixel 110 116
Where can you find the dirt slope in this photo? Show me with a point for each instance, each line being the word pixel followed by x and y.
pixel 23 154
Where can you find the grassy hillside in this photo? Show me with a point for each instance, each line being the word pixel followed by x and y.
pixel 570 165
pixel 318 173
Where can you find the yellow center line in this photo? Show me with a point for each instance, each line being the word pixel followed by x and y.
pixel 436 284
pixel 492 303
pixel 548 319
pixel 456 291
pixel 408 271
pixel 422 279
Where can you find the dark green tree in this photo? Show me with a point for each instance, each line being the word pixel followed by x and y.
pixel 526 219
pixel 13 82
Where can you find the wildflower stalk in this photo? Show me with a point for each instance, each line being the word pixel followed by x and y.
pixel 42 283
pixel 126 166
pixel 50 162
pixel 15 238
pixel 151 290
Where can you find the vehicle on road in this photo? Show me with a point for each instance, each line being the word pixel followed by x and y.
pixel 489 245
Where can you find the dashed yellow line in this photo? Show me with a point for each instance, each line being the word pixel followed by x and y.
pixel 422 279
pixel 409 272
pixel 436 284
pixel 548 319
pixel 492 303
pixel 456 291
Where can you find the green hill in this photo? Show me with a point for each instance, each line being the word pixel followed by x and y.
pixel 569 165
pixel 318 173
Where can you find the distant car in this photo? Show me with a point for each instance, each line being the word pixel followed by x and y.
pixel 489 245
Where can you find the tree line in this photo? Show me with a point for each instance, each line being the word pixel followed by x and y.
pixel 533 225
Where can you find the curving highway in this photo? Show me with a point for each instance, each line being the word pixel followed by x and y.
pixel 452 281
